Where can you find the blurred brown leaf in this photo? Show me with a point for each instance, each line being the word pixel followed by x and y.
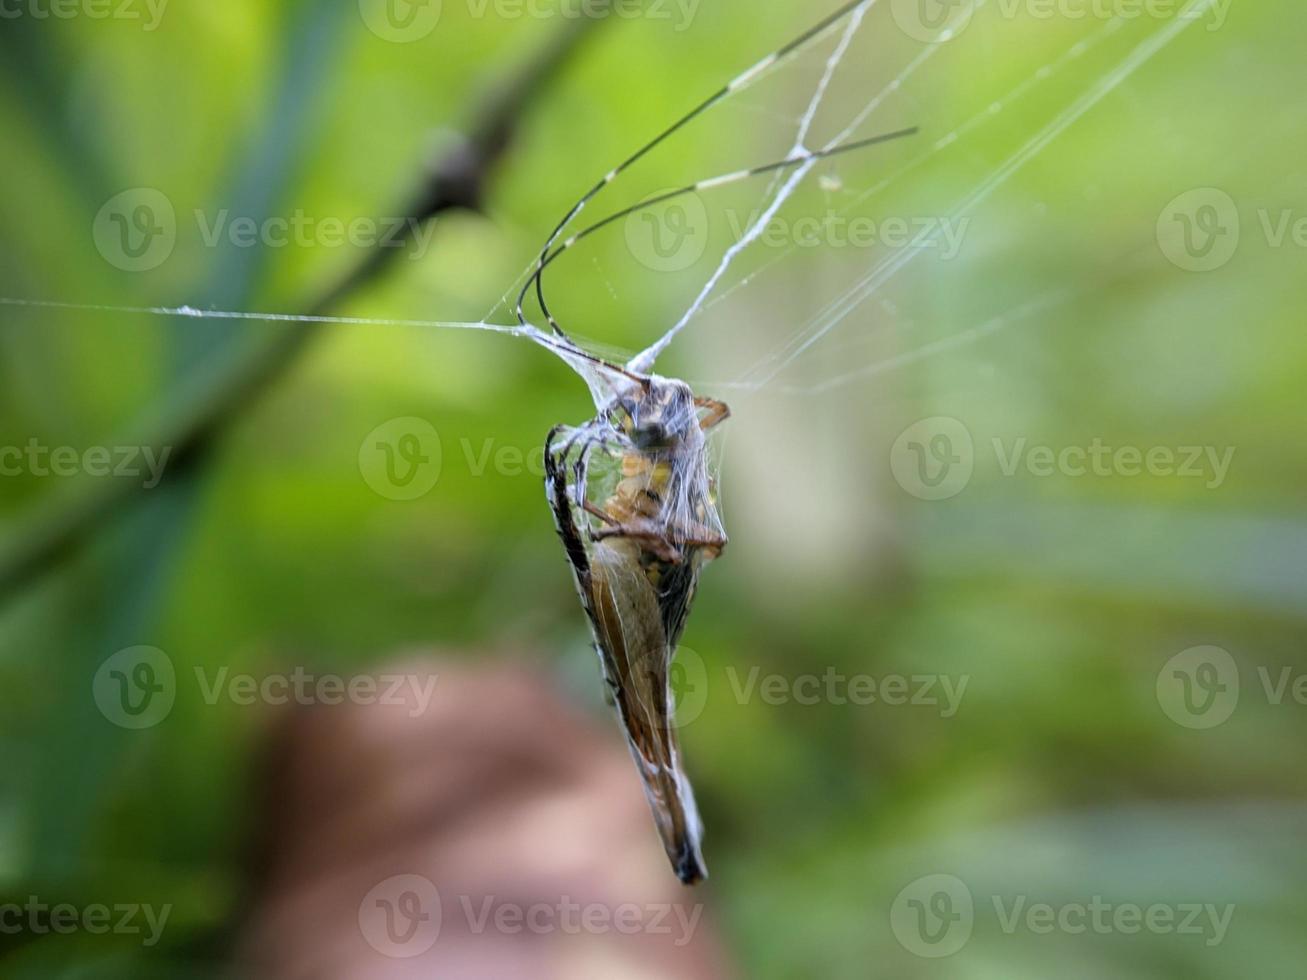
pixel 497 833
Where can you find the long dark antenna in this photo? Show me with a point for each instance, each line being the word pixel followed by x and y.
pixel 740 81
pixel 710 184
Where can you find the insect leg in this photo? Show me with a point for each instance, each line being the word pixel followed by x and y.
pixel 714 543
pixel 600 513
pixel 655 540
pixel 582 436
pixel 561 504
pixel 717 413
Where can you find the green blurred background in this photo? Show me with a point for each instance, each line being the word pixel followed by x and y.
pixel 1072 767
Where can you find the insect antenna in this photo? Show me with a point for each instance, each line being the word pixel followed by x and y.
pixel 740 81
pixel 721 180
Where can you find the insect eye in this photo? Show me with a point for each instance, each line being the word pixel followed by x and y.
pixel 651 435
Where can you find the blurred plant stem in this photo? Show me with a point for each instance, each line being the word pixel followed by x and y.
pixel 215 397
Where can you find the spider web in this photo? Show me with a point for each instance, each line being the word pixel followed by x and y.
pixel 1025 82
pixel 865 75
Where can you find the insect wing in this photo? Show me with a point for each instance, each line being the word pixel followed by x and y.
pixel 628 617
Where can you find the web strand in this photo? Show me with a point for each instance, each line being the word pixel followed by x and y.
pixel 746 78
pixel 644 361
pixel 868 285
pixel 191 312
pixel 765 371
